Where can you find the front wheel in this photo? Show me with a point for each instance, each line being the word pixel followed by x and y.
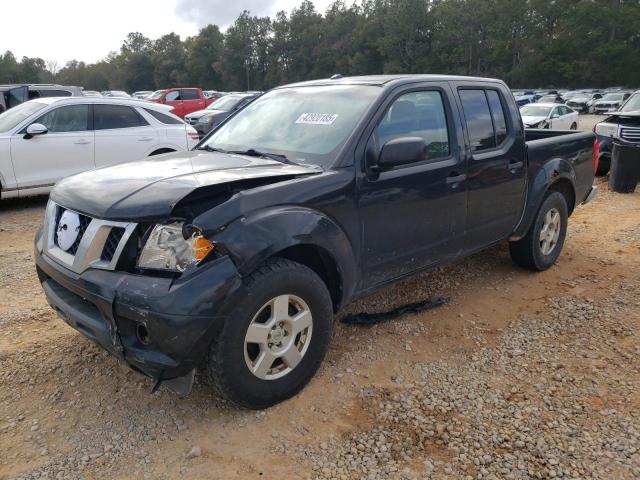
pixel 574 126
pixel 273 343
pixel 541 246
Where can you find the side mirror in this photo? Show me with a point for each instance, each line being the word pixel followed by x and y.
pixel 402 151
pixel 35 129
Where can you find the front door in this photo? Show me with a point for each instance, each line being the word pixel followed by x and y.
pixel 413 215
pixel 191 101
pixel 174 99
pixel 496 177
pixel 66 149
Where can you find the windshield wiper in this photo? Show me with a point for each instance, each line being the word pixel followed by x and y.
pixel 252 152
pixel 212 149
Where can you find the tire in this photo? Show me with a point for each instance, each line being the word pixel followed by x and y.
pixel 531 252
pixel 574 126
pixel 232 356
pixel 602 171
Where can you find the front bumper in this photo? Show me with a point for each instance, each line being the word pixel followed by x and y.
pixel 161 327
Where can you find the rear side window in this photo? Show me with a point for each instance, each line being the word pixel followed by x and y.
pixel 163 118
pixel 478 118
pixel 173 95
pixel 485 117
pixel 417 114
pixel 189 95
pixel 108 117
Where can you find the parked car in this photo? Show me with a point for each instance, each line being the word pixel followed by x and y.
pixel 141 94
pixel 115 93
pixel 213 94
pixel 184 100
pixel 610 102
pixel 584 102
pixel 13 95
pixel 623 124
pixel 236 255
pixel 549 115
pixel 553 98
pixel 525 98
pixel 91 93
pixel 45 140
pixel 204 120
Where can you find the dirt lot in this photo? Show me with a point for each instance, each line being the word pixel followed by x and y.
pixel 521 375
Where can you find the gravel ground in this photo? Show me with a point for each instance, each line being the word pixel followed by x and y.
pixel 519 376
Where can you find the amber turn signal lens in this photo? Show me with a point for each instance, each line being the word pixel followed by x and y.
pixel 201 247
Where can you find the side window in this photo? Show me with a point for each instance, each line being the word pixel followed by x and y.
pixel 555 112
pixel 417 114
pixel 478 118
pixel 107 117
pixel 497 113
pixel 189 95
pixel 172 96
pixel 164 118
pixel 72 118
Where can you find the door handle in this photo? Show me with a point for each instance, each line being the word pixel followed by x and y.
pixel 145 139
pixel 455 178
pixel 515 165
pixel 82 142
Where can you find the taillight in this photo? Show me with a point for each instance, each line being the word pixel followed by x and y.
pixel 194 136
pixel 596 155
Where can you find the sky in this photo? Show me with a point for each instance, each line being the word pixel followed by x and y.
pixel 63 30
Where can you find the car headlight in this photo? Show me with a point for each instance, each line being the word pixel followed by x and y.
pixel 541 124
pixel 167 249
pixel 606 129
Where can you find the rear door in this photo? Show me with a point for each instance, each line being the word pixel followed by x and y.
pixel 191 101
pixel 66 149
pixel 172 97
pixel 412 215
pixel 121 134
pixel 496 151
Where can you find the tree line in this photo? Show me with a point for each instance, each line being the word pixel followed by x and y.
pixel 528 43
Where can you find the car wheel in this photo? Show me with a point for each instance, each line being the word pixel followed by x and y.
pixel 574 126
pixel 541 246
pixel 274 341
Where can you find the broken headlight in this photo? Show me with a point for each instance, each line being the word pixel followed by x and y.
pixel 168 249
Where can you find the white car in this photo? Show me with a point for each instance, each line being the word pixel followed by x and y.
pixel 45 140
pixel 549 115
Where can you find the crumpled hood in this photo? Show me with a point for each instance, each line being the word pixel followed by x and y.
pixel 529 120
pixel 150 189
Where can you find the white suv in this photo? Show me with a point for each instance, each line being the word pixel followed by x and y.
pixel 45 140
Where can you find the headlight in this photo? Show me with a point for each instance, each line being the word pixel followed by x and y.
pixel 606 129
pixel 167 249
pixel 541 124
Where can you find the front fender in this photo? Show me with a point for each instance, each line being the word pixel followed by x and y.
pixel 551 172
pixel 262 234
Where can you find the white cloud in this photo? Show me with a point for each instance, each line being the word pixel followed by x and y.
pixel 64 30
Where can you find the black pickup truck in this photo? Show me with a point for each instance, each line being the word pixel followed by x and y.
pixel 236 256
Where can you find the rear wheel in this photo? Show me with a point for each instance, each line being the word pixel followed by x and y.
pixel 273 343
pixel 541 246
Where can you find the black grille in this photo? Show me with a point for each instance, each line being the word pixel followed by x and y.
pixel 110 246
pixel 84 223
pixel 630 134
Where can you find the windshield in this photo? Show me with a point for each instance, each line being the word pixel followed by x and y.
pixel 632 104
pixel 12 117
pixel 307 124
pixel 156 94
pixel 226 103
pixel 534 111
pixel 613 97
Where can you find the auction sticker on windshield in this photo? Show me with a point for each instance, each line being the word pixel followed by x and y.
pixel 317 118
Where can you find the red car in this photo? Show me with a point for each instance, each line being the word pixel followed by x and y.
pixel 183 100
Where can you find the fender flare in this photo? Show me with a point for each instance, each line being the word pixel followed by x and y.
pixel 250 240
pixel 552 172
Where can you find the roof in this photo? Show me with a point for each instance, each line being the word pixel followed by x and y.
pixel 382 80
pixel 104 100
